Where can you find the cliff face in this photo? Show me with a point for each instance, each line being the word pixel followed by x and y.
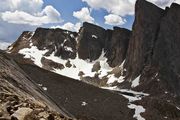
pixel 117 46
pixel 93 39
pixel 145 30
pixel 167 48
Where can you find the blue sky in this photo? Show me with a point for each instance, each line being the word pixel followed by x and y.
pixel 17 16
pixel 67 7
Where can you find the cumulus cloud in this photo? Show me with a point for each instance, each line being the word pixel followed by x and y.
pixel 48 15
pixel 17 16
pixel 124 7
pixel 4 45
pixel 28 12
pixel 30 6
pixel 118 7
pixel 84 15
pixel 112 19
pixel 69 26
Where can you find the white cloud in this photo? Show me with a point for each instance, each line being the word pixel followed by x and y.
pixel 118 7
pixel 17 16
pixel 112 19
pixel 84 15
pixel 30 6
pixel 28 12
pixel 4 45
pixel 123 7
pixel 48 15
pixel 69 26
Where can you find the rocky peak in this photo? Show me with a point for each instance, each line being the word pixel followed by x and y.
pixel 144 34
pixel 91 41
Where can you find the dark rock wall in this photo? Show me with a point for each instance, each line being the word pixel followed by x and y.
pixel 91 41
pixel 145 28
pixel 113 42
pixel 117 46
pixel 167 49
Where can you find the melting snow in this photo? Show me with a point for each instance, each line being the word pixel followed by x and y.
pixel 135 82
pixel 84 66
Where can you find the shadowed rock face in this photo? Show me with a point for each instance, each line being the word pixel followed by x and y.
pixel 144 35
pixel 117 46
pixel 91 41
pixel 167 48
pixel 94 39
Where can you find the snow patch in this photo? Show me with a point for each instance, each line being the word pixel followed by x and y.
pixel 44 88
pixel 135 82
pixel 112 79
pixel 84 66
pixel 138 110
pixel 84 103
pixel 68 49
pixel 72 36
pixel 94 36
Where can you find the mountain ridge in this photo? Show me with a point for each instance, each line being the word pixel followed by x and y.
pixel 144 59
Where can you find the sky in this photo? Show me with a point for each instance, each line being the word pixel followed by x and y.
pixel 17 16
